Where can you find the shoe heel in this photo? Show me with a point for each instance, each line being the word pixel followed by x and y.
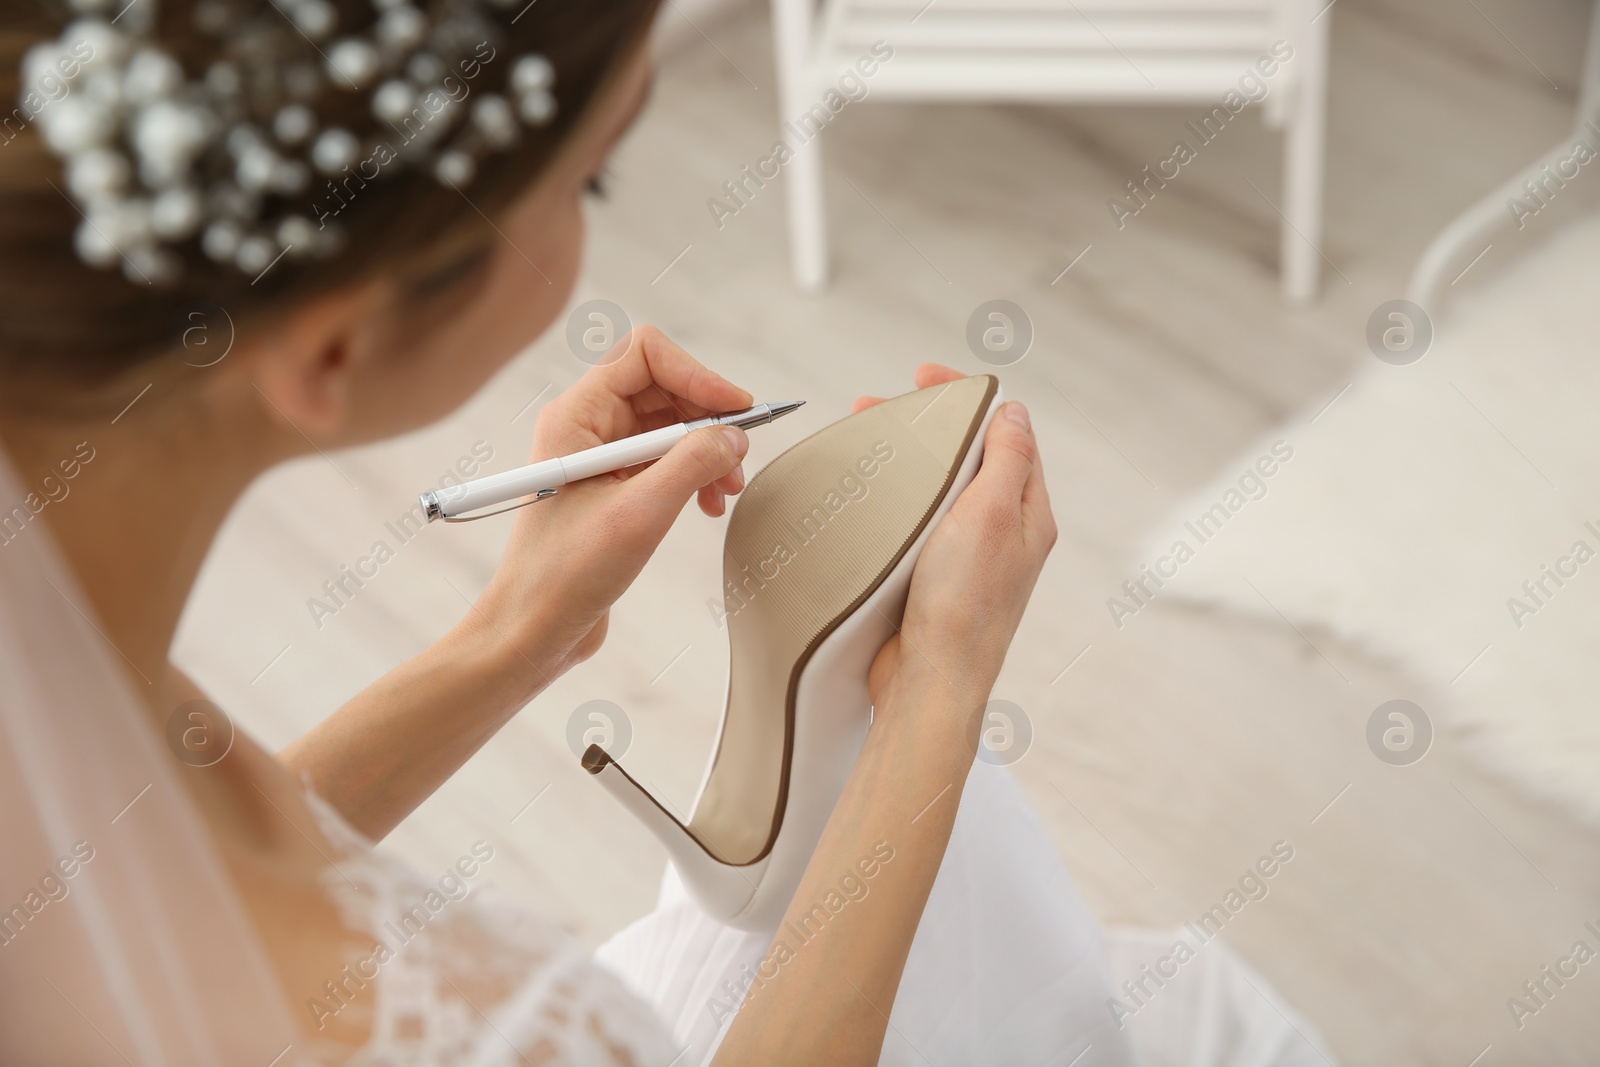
pixel 721 888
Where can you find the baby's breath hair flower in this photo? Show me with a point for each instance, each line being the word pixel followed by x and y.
pixel 155 156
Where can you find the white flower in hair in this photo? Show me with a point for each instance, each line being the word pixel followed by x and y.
pixel 353 61
pixel 153 159
pixel 151 76
pixel 97 174
pixel 315 18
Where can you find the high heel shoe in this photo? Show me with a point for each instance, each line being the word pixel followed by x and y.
pixel 817 562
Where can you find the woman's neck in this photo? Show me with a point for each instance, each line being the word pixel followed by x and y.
pixel 134 501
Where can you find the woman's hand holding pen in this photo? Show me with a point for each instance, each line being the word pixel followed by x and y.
pixel 570 558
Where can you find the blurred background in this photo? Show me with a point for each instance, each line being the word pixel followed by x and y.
pixel 1433 464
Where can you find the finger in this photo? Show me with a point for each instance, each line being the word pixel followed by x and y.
pixel 712 502
pixel 929 374
pixel 655 403
pixel 1009 457
pixel 656 494
pixel 935 374
pixel 1038 519
pixel 665 414
pixel 564 426
pixel 644 383
pixel 884 664
pixel 649 358
pixel 732 483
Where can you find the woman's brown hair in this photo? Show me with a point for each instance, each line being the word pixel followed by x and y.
pixel 67 326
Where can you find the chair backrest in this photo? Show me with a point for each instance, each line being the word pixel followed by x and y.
pixel 1111 51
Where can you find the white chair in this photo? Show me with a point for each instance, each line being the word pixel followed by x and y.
pixel 1061 51
pixel 1490 214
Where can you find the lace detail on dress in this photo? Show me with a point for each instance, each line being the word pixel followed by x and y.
pixel 461 975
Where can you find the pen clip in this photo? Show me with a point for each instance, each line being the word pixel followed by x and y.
pixel 540 495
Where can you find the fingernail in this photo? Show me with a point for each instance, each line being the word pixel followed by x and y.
pixel 737 440
pixel 1018 414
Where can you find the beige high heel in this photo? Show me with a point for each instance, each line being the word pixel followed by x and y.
pixel 816 564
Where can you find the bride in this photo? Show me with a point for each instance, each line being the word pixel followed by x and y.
pixel 385 199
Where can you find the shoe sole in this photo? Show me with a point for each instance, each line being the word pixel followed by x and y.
pixel 816 562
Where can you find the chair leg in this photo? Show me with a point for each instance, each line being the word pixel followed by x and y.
pixel 808 222
pixel 1303 165
pixel 792 26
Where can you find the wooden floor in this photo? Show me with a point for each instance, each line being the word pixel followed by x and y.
pixel 1169 754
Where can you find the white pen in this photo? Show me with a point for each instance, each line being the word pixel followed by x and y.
pixel 541 479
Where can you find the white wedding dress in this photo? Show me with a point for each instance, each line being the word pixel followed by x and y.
pixel 144 954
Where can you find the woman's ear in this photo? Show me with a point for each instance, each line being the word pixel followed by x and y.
pixel 302 366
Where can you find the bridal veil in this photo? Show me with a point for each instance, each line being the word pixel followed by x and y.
pixel 122 938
